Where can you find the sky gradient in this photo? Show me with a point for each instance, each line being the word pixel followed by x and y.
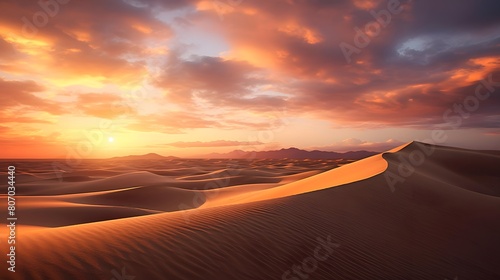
pixel 97 78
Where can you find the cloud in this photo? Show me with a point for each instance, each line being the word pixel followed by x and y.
pixel 13 118
pixel 22 94
pixel 175 122
pixel 216 82
pixel 7 51
pixel 180 122
pixel 281 54
pixel 100 40
pixel 104 105
pixel 212 144
pixel 409 75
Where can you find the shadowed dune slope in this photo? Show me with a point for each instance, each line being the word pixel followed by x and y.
pixel 439 221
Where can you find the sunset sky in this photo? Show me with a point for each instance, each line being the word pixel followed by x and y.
pixel 104 78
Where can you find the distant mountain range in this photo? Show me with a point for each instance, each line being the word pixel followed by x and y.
pixel 150 156
pixel 292 153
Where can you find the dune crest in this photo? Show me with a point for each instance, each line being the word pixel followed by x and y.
pixel 356 171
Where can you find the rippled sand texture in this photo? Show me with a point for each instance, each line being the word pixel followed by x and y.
pixel 257 219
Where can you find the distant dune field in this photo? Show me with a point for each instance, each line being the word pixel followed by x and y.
pixel 415 212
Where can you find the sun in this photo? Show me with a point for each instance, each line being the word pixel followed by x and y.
pixel 111 139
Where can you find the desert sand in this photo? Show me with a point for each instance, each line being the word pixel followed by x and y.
pixel 434 217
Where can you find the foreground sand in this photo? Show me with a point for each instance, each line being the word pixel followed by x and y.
pixel 438 219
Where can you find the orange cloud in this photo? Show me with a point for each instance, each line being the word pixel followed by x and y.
pixel 90 39
pixel 15 94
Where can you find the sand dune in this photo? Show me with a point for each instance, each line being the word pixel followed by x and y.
pixel 357 171
pixel 438 220
pixel 119 191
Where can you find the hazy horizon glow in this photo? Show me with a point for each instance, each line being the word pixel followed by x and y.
pixel 192 77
